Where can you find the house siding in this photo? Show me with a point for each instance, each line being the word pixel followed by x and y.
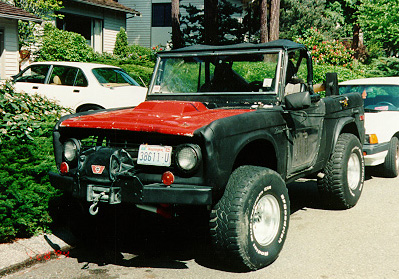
pixel 9 61
pixel 139 29
pixel 112 24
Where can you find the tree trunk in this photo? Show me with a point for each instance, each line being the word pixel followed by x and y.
pixel 275 20
pixel 264 34
pixel 211 22
pixel 355 40
pixel 177 38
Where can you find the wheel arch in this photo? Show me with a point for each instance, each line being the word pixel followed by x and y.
pixel 84 107
pixel 260 152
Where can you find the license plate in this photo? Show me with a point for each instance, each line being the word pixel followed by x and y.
pixel 155 155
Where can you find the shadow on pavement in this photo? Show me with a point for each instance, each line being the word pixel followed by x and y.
pixel 127 236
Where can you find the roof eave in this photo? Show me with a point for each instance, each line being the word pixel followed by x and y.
pixel 133 12
pixel 23 18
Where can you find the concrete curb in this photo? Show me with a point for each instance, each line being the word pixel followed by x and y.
pixel 24 252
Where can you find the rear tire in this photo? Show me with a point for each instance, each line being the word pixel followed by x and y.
pixel 391 164
pixel 342 184
pixel 249 224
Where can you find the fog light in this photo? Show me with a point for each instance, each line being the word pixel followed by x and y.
pixel 64 168
pixel 168 178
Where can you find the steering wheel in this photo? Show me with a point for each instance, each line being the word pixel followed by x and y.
pixel 385 103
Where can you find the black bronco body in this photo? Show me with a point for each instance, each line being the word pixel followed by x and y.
pixel 226 127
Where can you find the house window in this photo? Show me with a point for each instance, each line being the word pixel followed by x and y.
pixel 77 24
pixel 90 28
pixel 161 15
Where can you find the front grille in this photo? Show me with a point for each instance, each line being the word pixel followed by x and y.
pixel 131 147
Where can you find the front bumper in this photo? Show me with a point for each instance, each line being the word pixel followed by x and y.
pixel 374 154
pixel 131 190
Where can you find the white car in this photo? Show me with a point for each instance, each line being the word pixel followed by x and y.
pixel 81 86
pixel 381 104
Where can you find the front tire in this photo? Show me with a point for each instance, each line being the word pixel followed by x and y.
pixel 249 224
pixel 391 164
pixel 342 184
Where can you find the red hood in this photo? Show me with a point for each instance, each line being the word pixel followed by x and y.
pixel 167 117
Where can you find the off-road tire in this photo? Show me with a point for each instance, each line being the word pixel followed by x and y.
pixel 391 164
pixel 342 183
pixel 236 219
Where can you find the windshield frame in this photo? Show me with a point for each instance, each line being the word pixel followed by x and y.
pixel 250 96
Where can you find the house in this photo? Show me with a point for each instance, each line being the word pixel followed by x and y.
pixel 154 27
pixel 98 21
pixel 9 48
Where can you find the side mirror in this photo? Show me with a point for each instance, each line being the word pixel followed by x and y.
pixel 332 84
pixel 296 101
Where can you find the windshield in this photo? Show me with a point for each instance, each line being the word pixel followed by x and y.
pixel 217 73
pixel 376 97
pixel 112 77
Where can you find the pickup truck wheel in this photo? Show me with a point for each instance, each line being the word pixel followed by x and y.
pixel 249 224
pixel 391 164
pixel 342 183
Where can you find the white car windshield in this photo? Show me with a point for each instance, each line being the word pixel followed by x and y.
pixel 112 77
pixel 212 73
pixel 375 97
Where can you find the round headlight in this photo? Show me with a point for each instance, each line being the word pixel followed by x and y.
pixel 71 149
pixel 188 157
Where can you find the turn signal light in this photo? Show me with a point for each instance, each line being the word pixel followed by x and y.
pixel 373 138
pixel 168 178
pixel 64 168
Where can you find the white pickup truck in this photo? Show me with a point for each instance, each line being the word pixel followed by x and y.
pixel 381 103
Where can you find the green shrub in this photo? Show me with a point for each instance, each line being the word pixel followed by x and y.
pixel 319 73
pixel 59 45
pixel 121 47
pixel 26 157
pixel 384 67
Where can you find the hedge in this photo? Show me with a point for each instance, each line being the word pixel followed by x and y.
pixel 26 157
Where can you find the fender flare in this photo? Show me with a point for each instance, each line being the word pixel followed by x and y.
pixel 340 126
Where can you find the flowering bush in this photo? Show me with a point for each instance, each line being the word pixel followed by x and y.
pixel 326 52
pixel 24 116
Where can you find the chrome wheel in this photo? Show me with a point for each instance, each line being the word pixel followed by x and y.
pixel 265 220
pixel 354 171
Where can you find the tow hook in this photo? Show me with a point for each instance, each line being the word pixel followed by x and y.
pixel 93 210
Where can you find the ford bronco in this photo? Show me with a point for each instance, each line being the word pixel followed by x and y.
pixel 223 127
